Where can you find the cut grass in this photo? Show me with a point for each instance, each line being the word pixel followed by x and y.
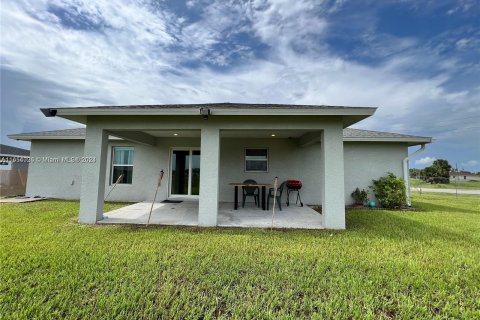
pixel 462 184
pixel 388 264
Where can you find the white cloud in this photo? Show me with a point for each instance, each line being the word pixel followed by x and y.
pixel 462 6
pixel 140 56
pixel 471 163
pixel 281 22
pixel 427 161
pixel 191 3
pixel 462 43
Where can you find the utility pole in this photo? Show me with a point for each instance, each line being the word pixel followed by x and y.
pixel 456 179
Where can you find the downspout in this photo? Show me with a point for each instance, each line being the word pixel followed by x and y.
pixel 406 173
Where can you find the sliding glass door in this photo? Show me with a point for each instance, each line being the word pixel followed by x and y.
pixel 185 172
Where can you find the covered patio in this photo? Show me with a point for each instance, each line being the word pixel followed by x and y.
pixel 185 213
pixel 203 149
pixel 212 185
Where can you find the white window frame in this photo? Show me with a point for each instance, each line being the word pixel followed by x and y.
pixel 245 159
pixel 189 195
pixel 112 165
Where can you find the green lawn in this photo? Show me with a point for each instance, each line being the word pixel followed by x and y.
pixel 461 184
pixel 388 264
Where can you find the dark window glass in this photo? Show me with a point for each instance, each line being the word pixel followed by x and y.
pixel 256 160
pixel 122 163
pixel 127 172
pixel 195 172
pixel 180 161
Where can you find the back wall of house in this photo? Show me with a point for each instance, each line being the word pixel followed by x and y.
pixel 364 161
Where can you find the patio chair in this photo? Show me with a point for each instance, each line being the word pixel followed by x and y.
pixel 251 192
pixel 279 195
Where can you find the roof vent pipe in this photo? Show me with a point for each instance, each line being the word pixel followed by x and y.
pixel 406 173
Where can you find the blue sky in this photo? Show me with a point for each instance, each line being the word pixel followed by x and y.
pixel 417 61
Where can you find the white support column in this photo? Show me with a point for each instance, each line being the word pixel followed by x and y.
pixel 333 188
pixel 93 175
pixel 209 168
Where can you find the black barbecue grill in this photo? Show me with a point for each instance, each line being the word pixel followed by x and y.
pixel 294 186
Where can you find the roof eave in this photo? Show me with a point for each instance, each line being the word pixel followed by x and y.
pixel 411 141
pixel 80 114
pixel 25 137
pixel 367 111
pixel 40 137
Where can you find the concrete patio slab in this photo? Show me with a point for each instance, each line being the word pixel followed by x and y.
pixel 294 217
pixel 20 199
pixel 186 214
pixel 176 214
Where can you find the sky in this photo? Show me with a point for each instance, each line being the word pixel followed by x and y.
pixel 417 61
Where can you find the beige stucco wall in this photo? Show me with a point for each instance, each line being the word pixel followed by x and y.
pixel 146 167
pixel 147 161
pixel 286 161
pixel 54 179
pixel 63 180
pixel 364 161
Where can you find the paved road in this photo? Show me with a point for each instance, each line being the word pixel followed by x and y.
pixel 460 191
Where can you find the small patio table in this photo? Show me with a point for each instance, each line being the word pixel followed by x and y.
pixel 263 186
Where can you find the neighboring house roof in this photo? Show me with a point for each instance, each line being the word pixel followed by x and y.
pixel 13 151
pixel 349 134
pixel 463 173
pixel 349 115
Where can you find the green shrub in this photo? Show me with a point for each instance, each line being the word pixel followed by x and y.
pixel 360 196
pixel 390 191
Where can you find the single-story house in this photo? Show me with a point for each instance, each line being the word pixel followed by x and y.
pixel 13 170
pixel 464 175
pixel 202 148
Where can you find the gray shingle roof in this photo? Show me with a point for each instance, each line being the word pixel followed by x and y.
pixel 80 132
pixel 358 133
pixel 4 149
pixel 347 133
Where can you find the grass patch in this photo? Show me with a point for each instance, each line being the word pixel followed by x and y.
pixel 462 184
pixel 388 264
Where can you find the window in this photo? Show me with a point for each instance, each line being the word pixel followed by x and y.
pixel 122 163
pixel 256 160
pixel 5 165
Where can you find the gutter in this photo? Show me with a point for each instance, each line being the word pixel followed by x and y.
pixel 406 173
pixel 108 111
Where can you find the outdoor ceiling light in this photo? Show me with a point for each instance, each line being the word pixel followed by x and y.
pixel 175 134
pixel 204 112
pixel 273 134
